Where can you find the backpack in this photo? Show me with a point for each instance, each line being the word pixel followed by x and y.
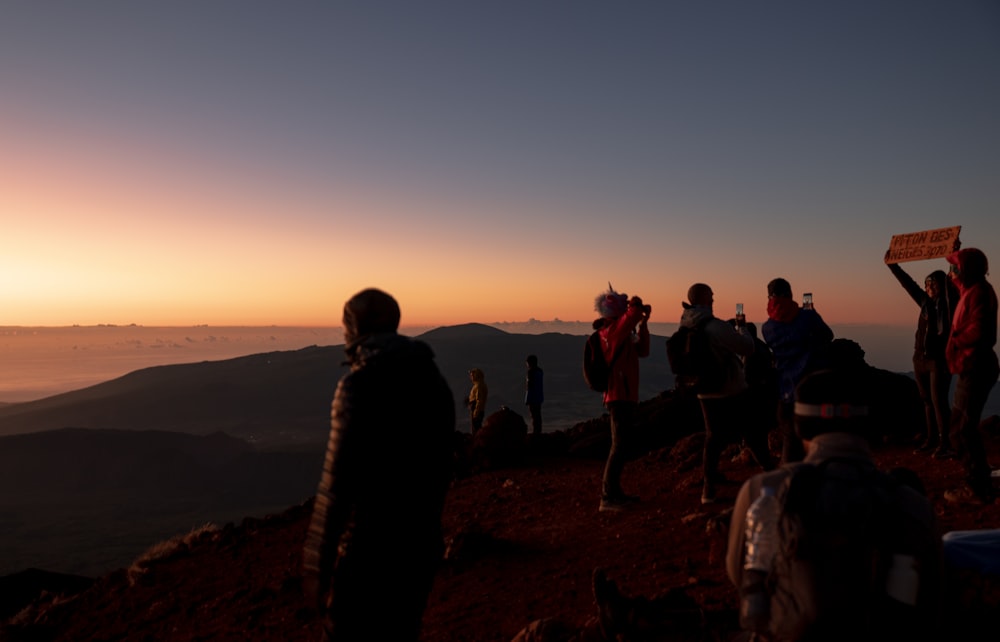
pixel 839 526
pixel 596 369
pixel 692 360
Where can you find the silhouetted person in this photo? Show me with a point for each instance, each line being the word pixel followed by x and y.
pixel 374 542
pixel 476 400
pixel 762 385
pixel 625 339
pixel 799 339
pixel 726 407
pixel 534 392
pixel 823 583
pixel 972 359
pixel 937 301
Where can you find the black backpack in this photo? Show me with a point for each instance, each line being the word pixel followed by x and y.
pixel 596 369
pixel 839 527
pixel 692 360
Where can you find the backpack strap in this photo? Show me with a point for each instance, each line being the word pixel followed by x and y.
pixel 614 355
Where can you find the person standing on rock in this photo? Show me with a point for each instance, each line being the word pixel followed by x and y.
pixel 624 332
pixel 476 401
pixel 800 340
pixel 726 405
pixel 972 358
pixel 937 301
pixel 375 538
pixel 534 392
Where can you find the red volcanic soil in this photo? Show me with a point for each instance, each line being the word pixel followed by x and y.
pixel 526 541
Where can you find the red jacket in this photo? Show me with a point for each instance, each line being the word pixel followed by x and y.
pixel 974 325
pixel 623 382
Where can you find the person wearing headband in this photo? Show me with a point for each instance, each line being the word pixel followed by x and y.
pixel 839 480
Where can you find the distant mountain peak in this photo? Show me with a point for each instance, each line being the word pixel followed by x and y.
pixel 462 332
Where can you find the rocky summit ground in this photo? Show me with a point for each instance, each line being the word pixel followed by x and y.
pixel 524 544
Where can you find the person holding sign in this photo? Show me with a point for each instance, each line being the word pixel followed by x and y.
pixel 937 301
pixel 973 360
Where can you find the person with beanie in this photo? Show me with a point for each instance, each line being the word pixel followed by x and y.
pixel 937 301
pixel 800 340
pixel 388 465
pixel 829 578
pixel 623 328
pixel 972 359
pixel 726 411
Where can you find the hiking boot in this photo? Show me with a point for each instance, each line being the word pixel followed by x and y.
pixel 944 453
pixel 965 495
pixel 926 447
pixel 618 503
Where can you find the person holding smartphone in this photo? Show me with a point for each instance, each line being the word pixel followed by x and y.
pixel 800 341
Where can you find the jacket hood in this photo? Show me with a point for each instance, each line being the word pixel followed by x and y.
pixel 782 308
pixel 694 314
pixel 374 347
pixel 972 264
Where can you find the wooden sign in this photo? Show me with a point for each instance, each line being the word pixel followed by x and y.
pixel 919 246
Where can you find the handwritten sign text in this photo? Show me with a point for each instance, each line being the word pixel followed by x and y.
pixel 919 246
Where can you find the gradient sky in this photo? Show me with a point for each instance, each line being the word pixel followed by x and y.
pixel 237 162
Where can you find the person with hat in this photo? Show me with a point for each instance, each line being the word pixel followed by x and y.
pixel 799 339
pixel 821 582
pixel 375 538
pixel 973 360
pixel 624 332
pixel 937 301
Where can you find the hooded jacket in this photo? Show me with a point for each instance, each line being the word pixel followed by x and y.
pixel 728 344
pixel 974 325
pixel 799 340
pixel 619 337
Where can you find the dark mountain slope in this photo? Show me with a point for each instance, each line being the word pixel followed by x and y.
pixel 284 397
pixel 83 501
pixel 275 396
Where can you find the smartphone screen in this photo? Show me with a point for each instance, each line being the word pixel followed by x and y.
pixel 807 300
pixel 739 309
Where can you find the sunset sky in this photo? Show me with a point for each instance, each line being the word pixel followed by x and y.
pixel 237 162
